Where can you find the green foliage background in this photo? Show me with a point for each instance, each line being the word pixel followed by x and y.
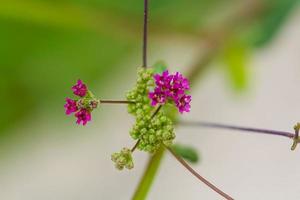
pixel 48 44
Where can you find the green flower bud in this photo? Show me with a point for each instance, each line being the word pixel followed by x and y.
pixel 150 131
pixel 123 159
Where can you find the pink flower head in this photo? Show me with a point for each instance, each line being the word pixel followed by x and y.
pixel 171 87
pixel 163 81
pixel 70 106
pixel 183 103
pixel 83 116
pixel 181 82
pixel 157 97
pixel 80 89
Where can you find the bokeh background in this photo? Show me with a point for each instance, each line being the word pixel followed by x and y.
pixel 248 55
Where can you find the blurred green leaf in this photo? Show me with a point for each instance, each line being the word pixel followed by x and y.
pixel 274 19
pixel 122 16
pixel 47 44
pixel 159 67
pixel 67 16
pixel 235 57
pixel 187 152
pixel 38 66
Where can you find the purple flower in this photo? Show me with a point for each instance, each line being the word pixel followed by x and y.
pixel 157 97
pixel 171 87
pixel 183 103
pixel 70 106
pixel 83 116
pixel 181 82
pixel 164 80
pixel 178 86
pixel 80 89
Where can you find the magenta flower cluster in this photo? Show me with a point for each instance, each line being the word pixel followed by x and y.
pixel 171 87
pixel 82 114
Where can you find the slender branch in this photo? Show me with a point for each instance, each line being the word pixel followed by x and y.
pixel 116 101
pixel 201 178
pixel 156 111
pixel 145 33
pixel 236 128
pixel 135 146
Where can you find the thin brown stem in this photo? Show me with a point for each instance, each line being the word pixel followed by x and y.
pixel 156 111
pixel 236 128
pixel 116 101
pixel 198 176
pixel 145 33
pixel 135 146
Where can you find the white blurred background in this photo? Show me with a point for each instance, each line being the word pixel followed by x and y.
pixel 77 166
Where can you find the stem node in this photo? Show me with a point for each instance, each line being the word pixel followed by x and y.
pixel 296 137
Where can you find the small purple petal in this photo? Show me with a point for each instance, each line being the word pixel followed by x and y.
pixel 157 97
pixel 70 106
pixel 183 103
pixel 80 89
pixel 171 87
pixel 163 81
pixel 83 116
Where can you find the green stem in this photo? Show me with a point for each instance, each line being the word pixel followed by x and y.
pixel 149 175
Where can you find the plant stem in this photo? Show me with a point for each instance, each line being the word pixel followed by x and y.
pixel 115 102
pixel 145 33
pixel 149 175
pixel 135 146
pixel 236 128
pixel 296 136
pixel 156 111
pixel 188 167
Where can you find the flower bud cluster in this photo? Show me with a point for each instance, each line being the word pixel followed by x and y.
pixel 83 106
pixel 123 159
pixel 151 131
pixel 139 94
pixel 171 88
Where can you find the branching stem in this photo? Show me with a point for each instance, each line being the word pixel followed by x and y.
pixel 236 128
pixel 156 111
pixel 115 102
pixel 135 146
pixel 206 182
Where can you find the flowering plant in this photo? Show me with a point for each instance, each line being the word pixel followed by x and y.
pixel 83 106
pixel 149 102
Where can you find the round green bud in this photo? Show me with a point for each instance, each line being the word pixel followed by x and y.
pixel 123 159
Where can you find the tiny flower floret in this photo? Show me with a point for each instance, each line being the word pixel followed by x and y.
pixel 164 80
pixel 83 116
pixel 70 106
pixel 83 106
pixel 158 97
pixel 171 87
pixel 80 89
pixel 183 103
pixel 123 159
